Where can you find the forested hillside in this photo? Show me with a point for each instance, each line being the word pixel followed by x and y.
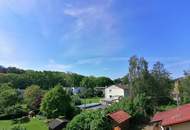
pixel 19 78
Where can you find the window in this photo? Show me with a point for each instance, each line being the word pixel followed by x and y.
pixel 110 90
pixel 168 128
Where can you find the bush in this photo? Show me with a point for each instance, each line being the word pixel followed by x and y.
pixel 89 120
pixel 13 112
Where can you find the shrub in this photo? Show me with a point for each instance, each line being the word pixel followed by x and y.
pixel 89 120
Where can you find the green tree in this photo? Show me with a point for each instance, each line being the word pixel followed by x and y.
pixel 139 76
pixel 103 82
pixel 8 97
pixel 117 81
pixel 89 120
pixel 161 81
pixel 185 89
pixel 32 96
pixel 139 108
pixel 56 103
pixel 88 82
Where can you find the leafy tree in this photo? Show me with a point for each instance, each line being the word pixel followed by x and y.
pixel 139 108
pixel 73 80
pixel 88 82
pixel 32 96
pixel 185 89
pixel 8 97
pixel 138 76
pixel 103 81
pixel 143 82
pixel 117 81
pixel 162 82
pixel 89 120
pixel 56 103
pixel 125 80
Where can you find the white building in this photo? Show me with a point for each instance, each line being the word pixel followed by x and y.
pixel 115 92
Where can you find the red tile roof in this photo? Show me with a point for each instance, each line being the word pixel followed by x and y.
pixel 174 116
pixel 119 116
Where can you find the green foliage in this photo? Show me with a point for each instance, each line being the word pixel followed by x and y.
pixel 32 96
pixel 88 82
pixel 11 70
pixel 89 120
pixel 117 81
pixel 185 89
pixel 56 103
pixel 143 82
pixel 87 93
pixel 48 79
pixel 8 97
pixel 103 81
pixel 160 81
pixel 76 100
pixel 166 107
pixel 139 108
pixel 138 76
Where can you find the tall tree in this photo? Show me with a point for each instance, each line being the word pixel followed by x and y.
pixel 185 88
pixel 162 82
pixel 138 76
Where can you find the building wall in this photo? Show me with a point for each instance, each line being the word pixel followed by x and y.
pixel 182 126
pixel 114 91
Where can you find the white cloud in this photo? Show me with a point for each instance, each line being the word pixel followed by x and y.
pixel 96 61
pixel 90 17
pixel 52 65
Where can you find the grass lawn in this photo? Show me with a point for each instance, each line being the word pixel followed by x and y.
pixel 91 100
pixel 34 124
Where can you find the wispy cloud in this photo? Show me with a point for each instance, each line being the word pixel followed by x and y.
pixel 179 64
pixel 52 65
pixel 88 18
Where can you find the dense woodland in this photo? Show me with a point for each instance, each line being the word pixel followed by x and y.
pixel 47 79
pixel 150 91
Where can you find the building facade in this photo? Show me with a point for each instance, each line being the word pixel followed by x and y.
pixel 115 91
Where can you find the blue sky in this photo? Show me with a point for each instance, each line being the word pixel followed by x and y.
pixel 94 37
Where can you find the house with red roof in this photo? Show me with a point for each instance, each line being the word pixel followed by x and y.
pixel 119 119
pixel 173 119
